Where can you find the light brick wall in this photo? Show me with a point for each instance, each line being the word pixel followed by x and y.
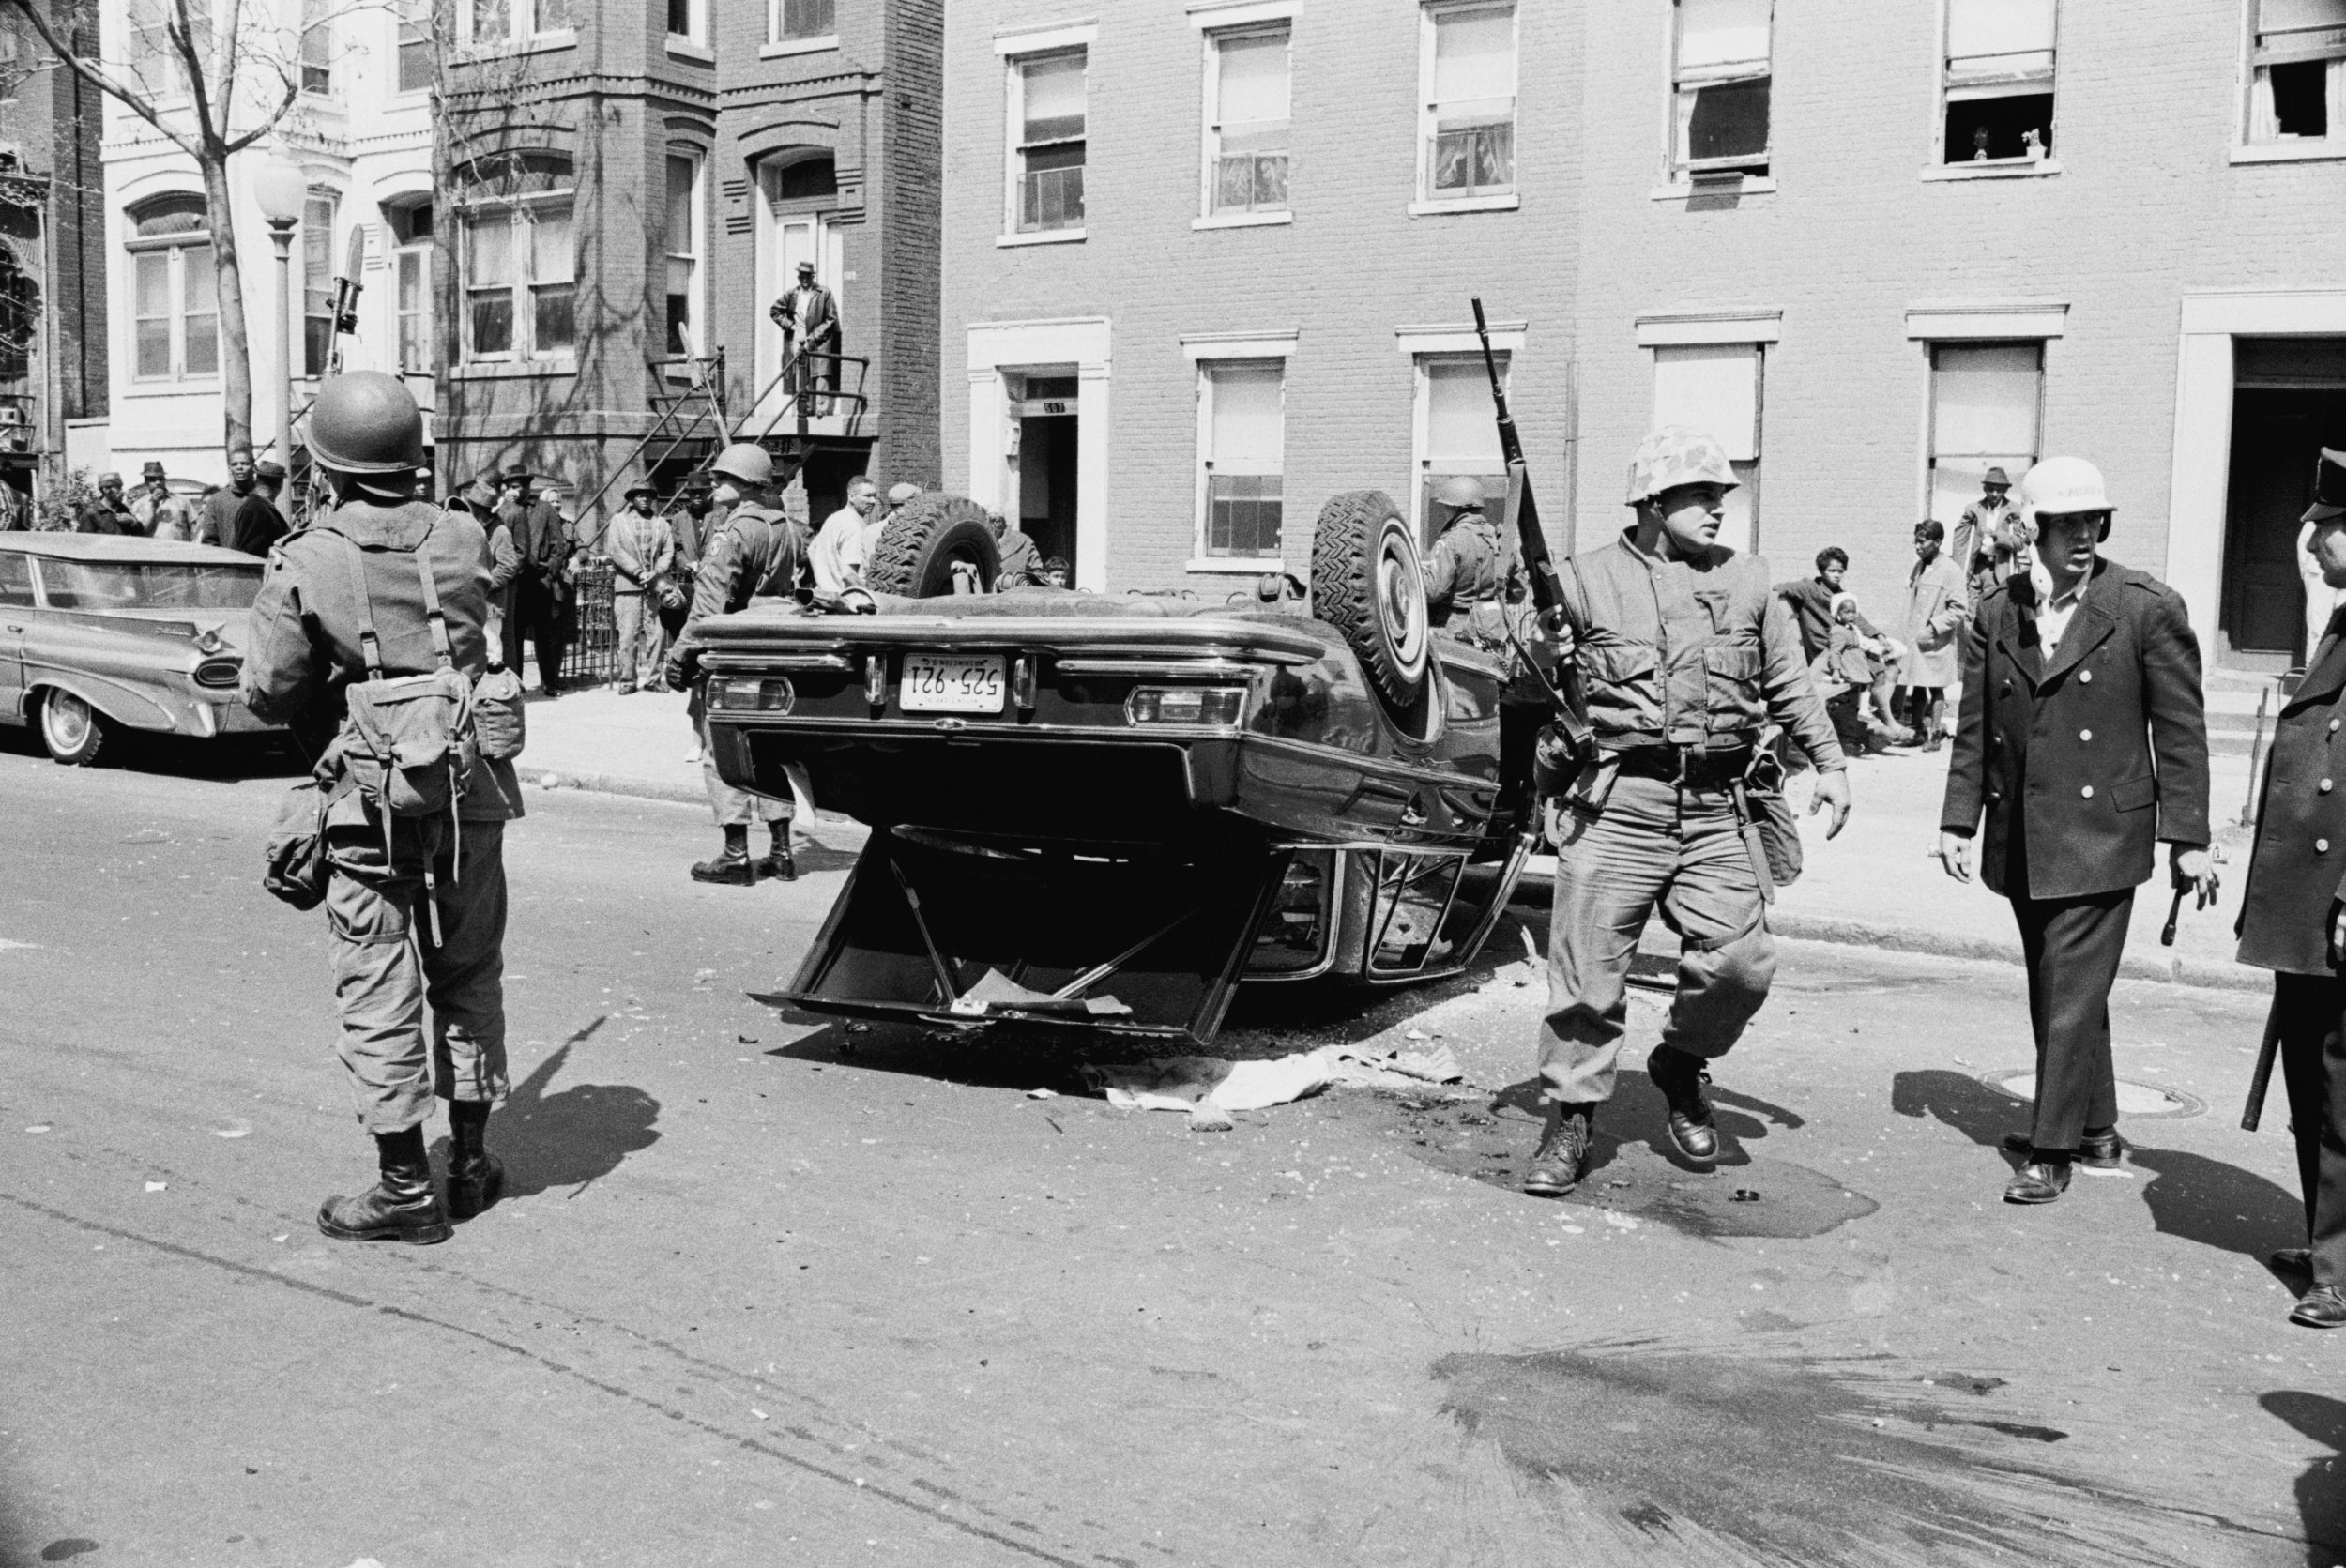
pixel 1351 267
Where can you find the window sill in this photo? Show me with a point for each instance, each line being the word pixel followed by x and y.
pixel 1041 236
pixel 512 370
pixel 1237 566
pixel 1242 219
pixel 1507 201
pixel 542 44
pixel 686 49
pixel 1749 185
pixel 787 47
pixel 2021 168
pixel 2308 150
pixel 207 385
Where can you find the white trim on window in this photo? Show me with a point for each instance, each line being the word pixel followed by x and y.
pixel 1199 347
pixel 2020 322
pixel 1507 337
pixel 798 46
pixel 1040 237
pixel 1238 13
pixel 1046 40
pixel 1500 195
pixel 1692 329
pixel 1507 203
pixel 1222 360
pixel 1242 219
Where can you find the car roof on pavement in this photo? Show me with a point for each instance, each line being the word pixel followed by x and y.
pixel 114 547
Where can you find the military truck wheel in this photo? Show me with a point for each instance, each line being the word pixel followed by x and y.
pixel 71 731
pixel 1367 583
pixel 929 536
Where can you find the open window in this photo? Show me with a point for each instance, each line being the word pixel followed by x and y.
pixel 1722 75
pixel 1246 120
pixel 1997 92
pixel 1456 437
pixel 410 224
pixel 2298 88
pixel 1467 127
pixel 1716 389
pixel 1047 119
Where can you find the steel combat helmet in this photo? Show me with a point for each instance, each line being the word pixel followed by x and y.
pixel 1460 494
pixel 366 422
pixel 747 463
pixel 1676 455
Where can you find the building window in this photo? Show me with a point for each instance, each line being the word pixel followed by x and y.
pixel 1715 388
pixel 1468 130
pixel 1457 435
pixel 494 21
pixel 1723 79
pixel 317 283
pixel 155 64
pixel 317 47
pixel 801 20
pixel 1047 122
pixel 1242 426
pixel 1999 84
pixel 688 19
pixel 1984 407
pixel 1246 120
pixel 683 239
pixel 175 292
pixel 2298 91
pixel 411 232
pixel 518 257
pixel 415 46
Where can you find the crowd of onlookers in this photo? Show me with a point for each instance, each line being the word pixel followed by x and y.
pixel 1896 688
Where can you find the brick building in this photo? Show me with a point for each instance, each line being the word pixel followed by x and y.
pixel 1875 249
pixel 571 221
pixel 1207 265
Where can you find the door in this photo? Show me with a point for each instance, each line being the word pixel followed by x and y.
pixel 1046 485
pixel 789 238
pixel 2276 435
pixel 16 617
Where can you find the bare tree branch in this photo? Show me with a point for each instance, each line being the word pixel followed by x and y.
pixel 93 72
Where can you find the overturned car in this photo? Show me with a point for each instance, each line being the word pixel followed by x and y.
pixel 1111 810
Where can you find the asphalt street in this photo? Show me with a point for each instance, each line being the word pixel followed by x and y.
pixel 770 1290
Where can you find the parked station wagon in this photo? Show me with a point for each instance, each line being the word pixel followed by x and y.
pixel 1109 811
pixel 100 633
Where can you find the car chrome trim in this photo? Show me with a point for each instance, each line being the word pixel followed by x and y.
pixel 748 664
pixel 1160 668
pixel 1335 922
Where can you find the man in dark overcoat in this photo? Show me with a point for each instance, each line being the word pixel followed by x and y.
pixel 541 590
pixel 2292 922
pixel 2083 741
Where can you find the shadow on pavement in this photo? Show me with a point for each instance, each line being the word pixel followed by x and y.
pixel 1980 1114
pixel 2218 1205
pixel 2321 1489
pixel 571 1137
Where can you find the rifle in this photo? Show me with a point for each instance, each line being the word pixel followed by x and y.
pixel 1579 742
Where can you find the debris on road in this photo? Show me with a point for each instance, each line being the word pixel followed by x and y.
pixel 1042 1094
pixel 1209 1087
pixel 157 1186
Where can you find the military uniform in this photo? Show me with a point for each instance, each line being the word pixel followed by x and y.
pixel 1466 581
pixel 1683 661
pixel 304 655
pixel 756 553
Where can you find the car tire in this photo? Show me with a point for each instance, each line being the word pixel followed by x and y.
pixel 71 731
pixel 1368 583
pixel 916 554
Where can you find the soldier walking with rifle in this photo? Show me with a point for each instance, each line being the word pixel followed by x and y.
pixel 1673 656
pixel 2292 922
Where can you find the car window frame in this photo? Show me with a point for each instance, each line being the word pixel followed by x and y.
pixel 32 583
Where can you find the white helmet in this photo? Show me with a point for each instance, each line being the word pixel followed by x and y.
pixel 2063 484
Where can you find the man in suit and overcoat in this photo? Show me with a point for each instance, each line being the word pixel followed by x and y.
pixel 2293 921
pixel 809 318
pixel 540 588
pixel 2082 740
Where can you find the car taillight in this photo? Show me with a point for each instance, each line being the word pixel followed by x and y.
pixel 219 674
pixel 744 694
pixel 1185 704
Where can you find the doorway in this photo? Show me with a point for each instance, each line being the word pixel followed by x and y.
pixel 795 195
pixel 2289 401
pixel 1046 467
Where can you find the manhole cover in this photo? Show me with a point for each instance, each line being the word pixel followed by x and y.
pixel 2135 1100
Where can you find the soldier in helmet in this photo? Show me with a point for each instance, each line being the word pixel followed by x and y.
pixel 1466 571
pixel 2082 739
pixel 415 905
pixel 1683 655
pixel 756 553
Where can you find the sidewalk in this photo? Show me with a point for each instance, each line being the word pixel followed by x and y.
pixel 1879 885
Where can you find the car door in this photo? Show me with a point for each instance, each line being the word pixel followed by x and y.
pixel 16 618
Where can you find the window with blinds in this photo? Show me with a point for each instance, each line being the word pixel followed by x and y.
pixel 1723 75
pixel 1468 125
pixel 1246 121
pixel 1984 404
pixel 2298 86
pixel 1997 86
pixel 1242 430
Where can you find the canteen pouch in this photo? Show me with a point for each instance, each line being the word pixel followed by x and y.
pixel 1768 817
pixel 296 867
pixel 499 727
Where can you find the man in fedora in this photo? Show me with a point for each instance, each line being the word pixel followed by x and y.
pixel 541 587
pixel 1985 524
pixel 809 318
pixel 160 514
pixel 642 550
pixel 2292 918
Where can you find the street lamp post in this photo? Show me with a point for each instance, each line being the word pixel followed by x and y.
pixel 280 190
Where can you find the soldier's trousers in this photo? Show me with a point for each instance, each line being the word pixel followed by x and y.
pixel 735 807
pixel 2312 1008
pixel 640 641
pixel 387 968
pixel 1655 843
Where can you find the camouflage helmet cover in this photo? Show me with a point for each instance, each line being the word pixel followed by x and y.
pixel 1675 455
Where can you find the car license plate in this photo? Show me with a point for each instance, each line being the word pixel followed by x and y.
pixel 942 683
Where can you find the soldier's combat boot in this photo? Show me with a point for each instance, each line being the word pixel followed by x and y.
pixel 476 1178
pixel 734 866
pixel 405 1205
pixel 1681 1077
pixel 1556 1166
pixel 778 863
